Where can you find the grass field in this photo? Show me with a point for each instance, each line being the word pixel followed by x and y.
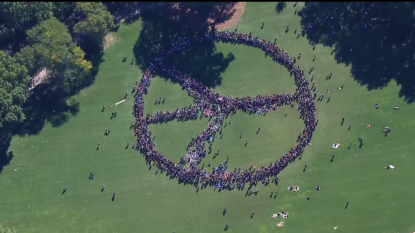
pixel 380 200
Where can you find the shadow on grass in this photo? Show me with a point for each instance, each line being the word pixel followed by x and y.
pixel 280 6
pixel 170 22
pixel 5 155
pixel 39 110
pixel 375 39
pixel 129 12
pixel 45 106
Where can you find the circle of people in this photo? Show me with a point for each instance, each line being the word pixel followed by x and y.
pixel 217 108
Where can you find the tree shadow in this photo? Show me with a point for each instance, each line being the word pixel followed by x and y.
pixel 280 6
pixel 5 156
pixel 373 38
pixel 172 21
pixel 45 106
pixel 129 12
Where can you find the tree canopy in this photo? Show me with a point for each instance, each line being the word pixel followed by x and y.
pixel 13 84
pixel 50 46
pixel 17 17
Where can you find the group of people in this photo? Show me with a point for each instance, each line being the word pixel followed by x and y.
pixel 219 108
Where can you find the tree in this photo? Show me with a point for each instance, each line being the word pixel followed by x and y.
pixel 17 17
pixel 51 46
pixel 23 15
pixel 63 10
pixel 13 83
pixel 95 21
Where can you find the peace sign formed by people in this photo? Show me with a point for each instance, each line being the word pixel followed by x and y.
pixel 217 108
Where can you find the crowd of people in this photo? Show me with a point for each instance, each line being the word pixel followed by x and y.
pixel 217 108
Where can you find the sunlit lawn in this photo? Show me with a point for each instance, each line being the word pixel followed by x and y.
pixel 380 200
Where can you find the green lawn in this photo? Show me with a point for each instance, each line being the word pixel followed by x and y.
pixel 379 199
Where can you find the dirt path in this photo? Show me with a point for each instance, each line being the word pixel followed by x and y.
pixel 38 78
